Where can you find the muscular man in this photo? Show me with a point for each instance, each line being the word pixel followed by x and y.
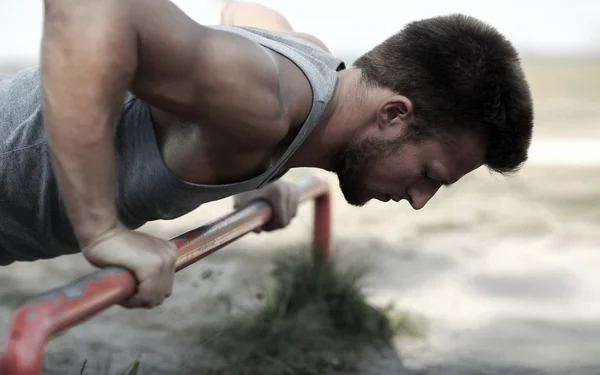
pixel 138 113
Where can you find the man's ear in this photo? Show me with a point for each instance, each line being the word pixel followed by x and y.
pixel 395 110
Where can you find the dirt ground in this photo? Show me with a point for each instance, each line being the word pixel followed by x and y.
pixel 504 268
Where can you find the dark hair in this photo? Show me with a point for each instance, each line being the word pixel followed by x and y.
pixel 460 74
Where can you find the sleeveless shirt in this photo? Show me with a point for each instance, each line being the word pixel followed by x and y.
pixel 33 220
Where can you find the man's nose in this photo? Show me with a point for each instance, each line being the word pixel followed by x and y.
pixel 420 195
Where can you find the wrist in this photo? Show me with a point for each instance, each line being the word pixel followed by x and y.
pixel 90 232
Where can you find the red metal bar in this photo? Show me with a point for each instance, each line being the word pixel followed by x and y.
pixel 322 225
pixel 38 320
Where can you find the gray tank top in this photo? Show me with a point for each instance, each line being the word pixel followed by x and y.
pixel 33 221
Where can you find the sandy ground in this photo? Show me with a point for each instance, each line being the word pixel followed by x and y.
pixel 505 269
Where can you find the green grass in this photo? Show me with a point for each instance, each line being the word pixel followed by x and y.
pixel 316 320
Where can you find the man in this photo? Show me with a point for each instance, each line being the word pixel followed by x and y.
pixel 148 114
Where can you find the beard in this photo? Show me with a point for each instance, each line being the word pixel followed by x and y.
pixel 353 164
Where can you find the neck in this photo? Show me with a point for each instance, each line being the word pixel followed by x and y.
pixel 338 126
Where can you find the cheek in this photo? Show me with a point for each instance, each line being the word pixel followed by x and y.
pixel 392 173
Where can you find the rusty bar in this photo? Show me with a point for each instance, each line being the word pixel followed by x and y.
pixel 322 226
pixel 36 321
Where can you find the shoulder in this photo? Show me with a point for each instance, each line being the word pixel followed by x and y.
pixel 238 87
pixel 251 91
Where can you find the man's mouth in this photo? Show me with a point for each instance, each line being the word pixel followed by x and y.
pixel 387 198
pixel 383 197
pixel 390 197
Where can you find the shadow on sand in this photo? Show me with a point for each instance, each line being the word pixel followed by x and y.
pixel 312 318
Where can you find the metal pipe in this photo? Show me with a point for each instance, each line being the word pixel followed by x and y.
pixel 39 319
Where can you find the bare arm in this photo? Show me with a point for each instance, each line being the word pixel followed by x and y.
pixel 95 50
pixel 86 68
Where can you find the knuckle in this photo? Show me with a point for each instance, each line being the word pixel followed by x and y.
pixel 146 302
pixel 172 252
pixel 166 255
pixel 171 258
pixel 170 263
pixel 150 297
pixel 158 300
pixel 157 261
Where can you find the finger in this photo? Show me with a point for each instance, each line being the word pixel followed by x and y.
pixel 169 280
pixel 165 277
pixel 134 302
pixel 280 211
pixel 153 292
pixel 169 256
pixel 151 289
pixel 288 203
pixel 293 202
pixel 273 201
pixel 142 299
pixel 282 218
pixel 138 302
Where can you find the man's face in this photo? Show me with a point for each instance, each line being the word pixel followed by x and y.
pixel 395 170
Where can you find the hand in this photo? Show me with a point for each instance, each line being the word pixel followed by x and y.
pixel 284 198
pixel 152 260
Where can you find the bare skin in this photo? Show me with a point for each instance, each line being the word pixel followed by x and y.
pixel 248 103
pixel 257 15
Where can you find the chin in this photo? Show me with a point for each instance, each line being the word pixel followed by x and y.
pixel 355 200
pixel 357 203
pixel 353 194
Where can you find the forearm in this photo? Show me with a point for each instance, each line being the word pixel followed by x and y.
pixel 88 59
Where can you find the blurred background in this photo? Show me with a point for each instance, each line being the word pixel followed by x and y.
pixel 561 29
pixel 505 269
pixel 560 41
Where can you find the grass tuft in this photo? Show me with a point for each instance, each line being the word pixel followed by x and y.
pixel 131 369
pixel 314 321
